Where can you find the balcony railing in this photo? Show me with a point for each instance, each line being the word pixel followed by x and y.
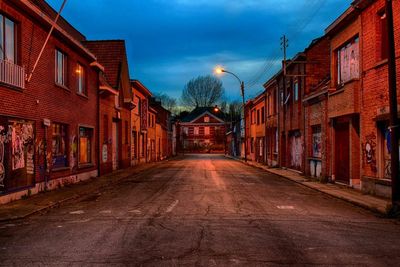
pixel 12 74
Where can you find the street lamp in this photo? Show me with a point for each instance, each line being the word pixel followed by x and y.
pixel 220 70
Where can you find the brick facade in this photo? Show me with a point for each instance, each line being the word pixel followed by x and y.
pixel 374 117
pixel 67 144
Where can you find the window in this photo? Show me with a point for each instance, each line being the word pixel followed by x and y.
pixel 207 130
pixel 7 39
pixel 295 91
pixel 383 36
pixel 252 145
pixel 206 119
pixel 61 65
pixel 59 146
pixel 85 145
pixel 80 78
pixel 196 130
pixel 185 130
pixel 258 117
pixel 348 61
pixel 263 115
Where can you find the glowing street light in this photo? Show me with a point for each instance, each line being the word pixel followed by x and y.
pixel 220 70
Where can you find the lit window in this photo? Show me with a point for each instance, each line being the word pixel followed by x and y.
pixel 60 68
pixel 206 119
pixel 85 145
pixel 80 78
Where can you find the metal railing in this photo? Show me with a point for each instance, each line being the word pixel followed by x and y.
pixel 12 74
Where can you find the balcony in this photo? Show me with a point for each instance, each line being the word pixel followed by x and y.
pixel 12 74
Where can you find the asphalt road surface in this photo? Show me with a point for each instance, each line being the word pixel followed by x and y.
pixel 203 210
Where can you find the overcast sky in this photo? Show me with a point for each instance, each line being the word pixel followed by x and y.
pixel 172 41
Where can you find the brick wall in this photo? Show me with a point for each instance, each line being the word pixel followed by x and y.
pixel 42 98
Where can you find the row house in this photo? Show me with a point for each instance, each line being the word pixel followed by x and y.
pixel 291 114
pixel 202 130
pixel 115 105
pixel 374 101
pixel 315 101
pixel 48 122
pixel 139 121
pixel 271 122
pixel 344 97
pixel 256 133
pixel 327 114
pixel 163 133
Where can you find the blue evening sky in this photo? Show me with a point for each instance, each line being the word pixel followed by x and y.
pixel 172 41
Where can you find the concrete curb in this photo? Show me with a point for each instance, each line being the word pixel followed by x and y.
pixel 306 184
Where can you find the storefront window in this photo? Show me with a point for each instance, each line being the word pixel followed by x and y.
pixel 85 145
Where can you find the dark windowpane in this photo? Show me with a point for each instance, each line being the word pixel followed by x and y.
pixel 59 148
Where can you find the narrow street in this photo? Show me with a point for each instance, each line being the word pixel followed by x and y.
pixel 202 210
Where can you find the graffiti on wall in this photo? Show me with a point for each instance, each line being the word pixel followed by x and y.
pixel 296 151
pixel 21 138
pixel 73 155
pixel 369 151
pixel 316 145
pixel 4 138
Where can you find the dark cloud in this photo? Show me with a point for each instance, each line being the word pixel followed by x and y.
pixel 170 42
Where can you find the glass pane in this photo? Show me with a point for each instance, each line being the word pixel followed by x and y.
pixel 10 40
pixel 1 38
pixel 83 148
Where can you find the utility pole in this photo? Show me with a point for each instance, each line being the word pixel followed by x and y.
pixel 284 44
pixel 394 121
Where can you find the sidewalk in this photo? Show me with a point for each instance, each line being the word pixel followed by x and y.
pixel 353 196
pixel 37 203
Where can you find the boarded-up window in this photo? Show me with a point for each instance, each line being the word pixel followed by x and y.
pixel 348 61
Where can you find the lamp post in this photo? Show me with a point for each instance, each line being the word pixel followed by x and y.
pixel 220 71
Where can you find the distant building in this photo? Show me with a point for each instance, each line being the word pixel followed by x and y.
pixel 203 130
pixel 139 118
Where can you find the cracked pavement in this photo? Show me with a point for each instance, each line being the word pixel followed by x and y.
pixel 202 210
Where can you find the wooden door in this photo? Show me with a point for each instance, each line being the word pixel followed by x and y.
pixel 342 153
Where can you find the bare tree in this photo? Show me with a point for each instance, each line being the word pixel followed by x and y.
pixel 169 103
pixel 235 111
pixel 203 91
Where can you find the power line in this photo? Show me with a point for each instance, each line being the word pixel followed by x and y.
pixel 267 69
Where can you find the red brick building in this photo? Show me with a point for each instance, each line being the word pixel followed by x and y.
pixel 271 122
pixel 374 101
pixel 48 125
pixel 115 104
pixel 315 101
pixel 291 114
pixel 345 92
pixel 139 118
pixel 203 130
pixel 256 134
